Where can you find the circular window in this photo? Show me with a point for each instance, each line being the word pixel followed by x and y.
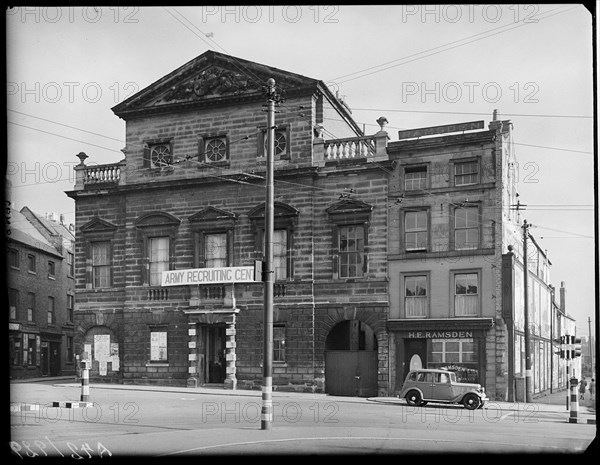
pixel 216 150
pixel 161 155
pixel 279 143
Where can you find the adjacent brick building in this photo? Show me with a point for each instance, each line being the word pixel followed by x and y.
pixel 456 262
pixel 41 292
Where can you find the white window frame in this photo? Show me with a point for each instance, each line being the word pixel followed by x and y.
pixel 473 297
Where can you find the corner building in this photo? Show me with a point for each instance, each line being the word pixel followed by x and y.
pixel 456 262
pixel 190 194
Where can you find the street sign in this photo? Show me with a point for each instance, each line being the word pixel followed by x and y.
pixel 223 275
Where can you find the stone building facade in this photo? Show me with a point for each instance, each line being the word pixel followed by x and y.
pixel 190 195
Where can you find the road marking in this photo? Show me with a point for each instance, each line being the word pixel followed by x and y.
pixel 352 438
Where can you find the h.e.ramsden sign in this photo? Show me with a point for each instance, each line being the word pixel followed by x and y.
pixel 224 275
pixel 439 334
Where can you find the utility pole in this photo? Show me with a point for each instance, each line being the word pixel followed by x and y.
pixel 268 275
pixel 528 377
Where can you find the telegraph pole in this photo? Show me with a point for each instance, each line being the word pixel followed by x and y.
pixel 268 275
pixel 528 376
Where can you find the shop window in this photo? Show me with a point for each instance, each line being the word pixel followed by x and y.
pixel 457 355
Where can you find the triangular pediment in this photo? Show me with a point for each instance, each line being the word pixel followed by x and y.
pixel 211 214
pixel 210 79
pixel 97 225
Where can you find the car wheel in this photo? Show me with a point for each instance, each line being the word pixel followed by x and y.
pixel 471 401
pixel 413 398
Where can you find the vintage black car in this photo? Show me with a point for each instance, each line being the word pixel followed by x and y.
pixel 427 385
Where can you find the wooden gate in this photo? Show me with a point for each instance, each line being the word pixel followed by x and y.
pixel 351 373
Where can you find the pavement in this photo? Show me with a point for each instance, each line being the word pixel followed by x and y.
pixel 555 402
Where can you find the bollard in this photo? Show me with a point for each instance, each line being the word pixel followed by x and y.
pixel 85 381
pixel 574 401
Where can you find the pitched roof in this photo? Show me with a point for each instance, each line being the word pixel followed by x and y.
pixel 21 230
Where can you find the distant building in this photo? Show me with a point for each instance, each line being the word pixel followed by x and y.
pixel 41 291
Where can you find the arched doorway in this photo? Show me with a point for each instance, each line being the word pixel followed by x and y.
pixel 351 360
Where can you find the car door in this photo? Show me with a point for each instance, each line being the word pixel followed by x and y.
pixel 425 383
pixel 441 388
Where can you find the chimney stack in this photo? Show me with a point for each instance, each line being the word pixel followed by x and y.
pixel 563 293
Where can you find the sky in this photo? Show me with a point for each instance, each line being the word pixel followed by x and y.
pixel 417 65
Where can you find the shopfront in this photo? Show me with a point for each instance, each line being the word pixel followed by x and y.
pixel 454 345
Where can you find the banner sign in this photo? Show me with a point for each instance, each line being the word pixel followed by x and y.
pixel 232 274
pixel 410 133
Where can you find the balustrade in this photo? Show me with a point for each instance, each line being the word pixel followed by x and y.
pixel 354 147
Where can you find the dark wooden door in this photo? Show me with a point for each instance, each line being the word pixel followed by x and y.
pixel 54 359
pixel 351 373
